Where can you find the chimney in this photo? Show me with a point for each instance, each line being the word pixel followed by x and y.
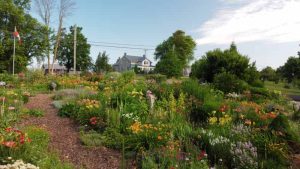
pixel 125 54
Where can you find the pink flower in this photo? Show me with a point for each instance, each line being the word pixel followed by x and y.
pixel 9 144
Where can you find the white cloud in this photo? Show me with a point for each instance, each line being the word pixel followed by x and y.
pixel 274 21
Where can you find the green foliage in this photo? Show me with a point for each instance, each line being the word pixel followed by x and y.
pixel 291 69
pixel 175 53
pixel 101 64
pixel 268 73
pixel 281 124
pixel 159 78
pixel 91 139
pixel 228 82
pixel 128 76
pixel 14 13
pixel 68 110
pixel 229 61
pixel 36 152
pixel 66 51
pixel 36 113
pixel 169 65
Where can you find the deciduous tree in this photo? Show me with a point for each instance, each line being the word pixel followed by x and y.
pixel 66 50
pixel 181 47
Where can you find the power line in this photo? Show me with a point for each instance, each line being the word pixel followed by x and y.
pixel 126 44
pixel 121 47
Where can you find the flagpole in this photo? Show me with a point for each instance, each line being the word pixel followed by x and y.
pixel 14 52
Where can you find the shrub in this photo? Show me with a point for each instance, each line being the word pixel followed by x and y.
pixel 68 110
pixel 91 139
pixel 227 83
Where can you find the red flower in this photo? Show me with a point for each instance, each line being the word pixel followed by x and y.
pixel 22 139
pixel 201 155
pixel 93 120
pixel 9 129
pixel 9 144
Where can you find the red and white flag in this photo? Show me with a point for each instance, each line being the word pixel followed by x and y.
pixel 17 35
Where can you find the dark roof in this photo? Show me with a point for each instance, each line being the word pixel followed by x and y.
pixel 136 59
pixel 55 66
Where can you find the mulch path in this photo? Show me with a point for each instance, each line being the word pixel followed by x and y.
pixel 65 140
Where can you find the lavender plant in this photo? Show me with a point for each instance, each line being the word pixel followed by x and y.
pixel 244 155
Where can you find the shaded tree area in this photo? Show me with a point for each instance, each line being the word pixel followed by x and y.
pixel 218 65
pixel 66 50
pixel 174 53
pixel 14 13
pixel 101 64
pixel 291 69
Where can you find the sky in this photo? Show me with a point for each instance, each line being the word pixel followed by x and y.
pixel 267 31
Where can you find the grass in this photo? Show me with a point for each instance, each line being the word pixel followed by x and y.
pixel 37 151
pixel 280 87
pixel 91 139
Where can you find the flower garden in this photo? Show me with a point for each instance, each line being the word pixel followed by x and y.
pixel 152 122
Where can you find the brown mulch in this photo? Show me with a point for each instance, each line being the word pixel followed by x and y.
pixel 65 140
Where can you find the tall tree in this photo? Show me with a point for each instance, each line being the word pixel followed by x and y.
pixel 14 13
pixel 268 73
pixel 291 69
pixel 101 64
pixel 66 50
pixel 45 10
pixel 65 9
pixel 179 45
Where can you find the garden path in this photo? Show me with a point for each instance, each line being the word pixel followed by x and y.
pixel 65 137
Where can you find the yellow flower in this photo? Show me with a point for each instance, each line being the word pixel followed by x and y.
pixel 213 120
pixel 136 127
pixel 159 137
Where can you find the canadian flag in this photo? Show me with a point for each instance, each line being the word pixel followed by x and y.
pixel 17 35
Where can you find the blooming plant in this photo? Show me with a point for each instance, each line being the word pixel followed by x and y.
pixel 12 138
pixel 89 104
pixel 18 164
pixel 244 155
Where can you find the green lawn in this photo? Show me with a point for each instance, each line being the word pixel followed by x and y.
pixel 280 86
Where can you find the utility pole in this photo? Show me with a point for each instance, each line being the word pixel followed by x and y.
pixel 75 44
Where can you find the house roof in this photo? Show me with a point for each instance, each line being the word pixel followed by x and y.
pixel 136 59
pixel 55 66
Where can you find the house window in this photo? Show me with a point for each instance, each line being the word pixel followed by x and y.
pixel 146 62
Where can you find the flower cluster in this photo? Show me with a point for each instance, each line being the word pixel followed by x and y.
pixel 245 155
pixel 19 164
pixel 219 140
pixel 13 138
pixel 131 116
pixel 270 115
pixel 89 104
pixel 93 120
pixel 240 130
pixel 220 118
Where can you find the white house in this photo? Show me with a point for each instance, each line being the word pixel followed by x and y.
pixel 128 62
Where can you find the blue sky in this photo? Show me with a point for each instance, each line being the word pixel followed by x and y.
pixel 262 29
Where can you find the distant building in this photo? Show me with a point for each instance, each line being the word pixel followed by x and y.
pixel 128 62
pixel 57 69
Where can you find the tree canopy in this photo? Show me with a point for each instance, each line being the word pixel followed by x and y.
pixel 14 13
pixel 230 61
pixel 181 47
pixel 101 64
pixel 66 50
pixel 291 69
